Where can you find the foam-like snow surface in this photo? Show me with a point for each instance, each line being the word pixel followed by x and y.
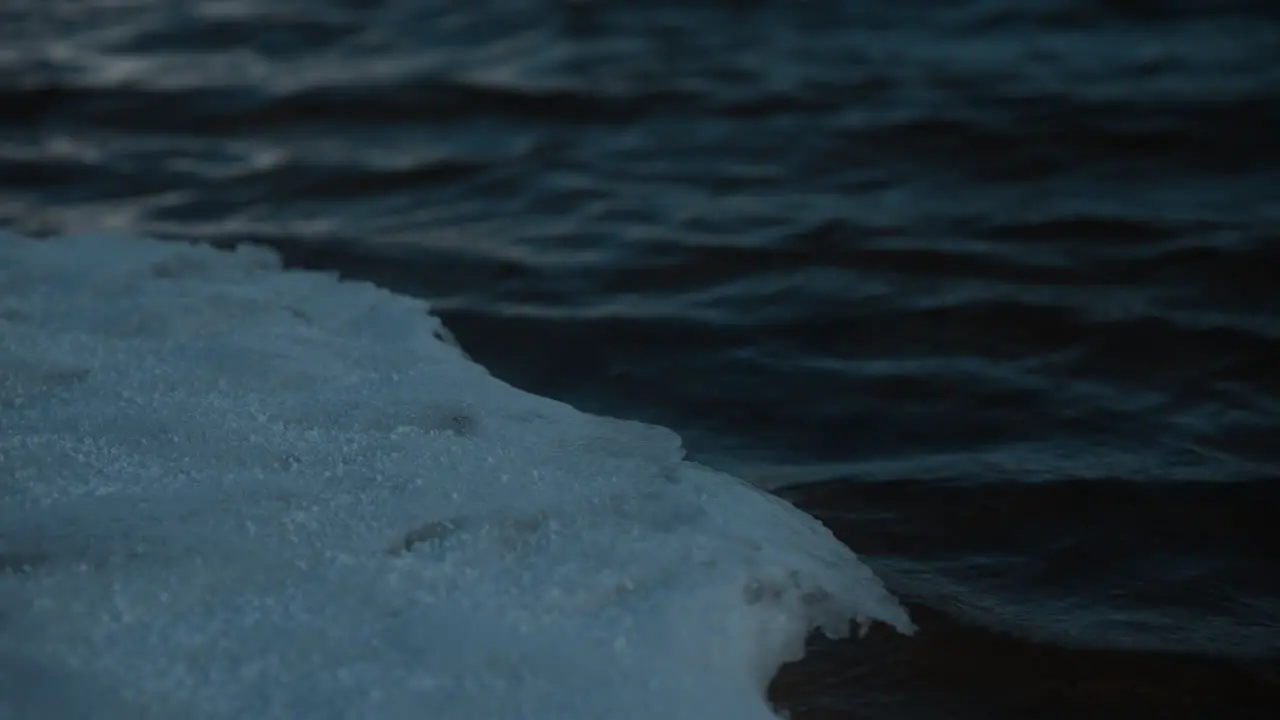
pixel 233 491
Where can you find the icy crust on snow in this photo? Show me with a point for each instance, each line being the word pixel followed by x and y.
pixel 229 490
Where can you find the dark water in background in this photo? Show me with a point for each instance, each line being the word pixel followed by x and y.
pixel 991 286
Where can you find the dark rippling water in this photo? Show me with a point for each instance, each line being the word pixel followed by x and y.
pixel 989 286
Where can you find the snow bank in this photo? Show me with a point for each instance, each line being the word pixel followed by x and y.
pixel 233 491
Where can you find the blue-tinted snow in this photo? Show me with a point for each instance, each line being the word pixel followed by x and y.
pixel 228 490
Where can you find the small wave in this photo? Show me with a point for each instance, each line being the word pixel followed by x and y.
pixel 958 669
pixel 1156 565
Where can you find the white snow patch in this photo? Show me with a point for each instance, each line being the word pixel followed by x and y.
pixel 233 491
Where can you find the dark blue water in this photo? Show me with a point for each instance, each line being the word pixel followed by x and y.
pixel 988 286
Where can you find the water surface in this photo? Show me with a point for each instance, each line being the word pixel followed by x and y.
pixel 988 286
